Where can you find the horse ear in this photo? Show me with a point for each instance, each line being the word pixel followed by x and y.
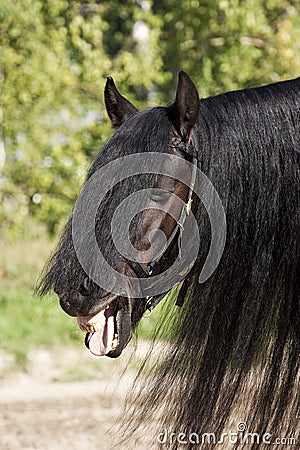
pixel 185 109
pixel 118 108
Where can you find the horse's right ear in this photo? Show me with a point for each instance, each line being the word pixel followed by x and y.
pixel 118 108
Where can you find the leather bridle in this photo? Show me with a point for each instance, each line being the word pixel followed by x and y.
pixel 141 272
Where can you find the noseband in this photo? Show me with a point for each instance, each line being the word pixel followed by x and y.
pixel 178 229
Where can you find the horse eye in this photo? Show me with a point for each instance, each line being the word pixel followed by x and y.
pixel 160 195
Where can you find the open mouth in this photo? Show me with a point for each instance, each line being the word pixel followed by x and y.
pixel 109 330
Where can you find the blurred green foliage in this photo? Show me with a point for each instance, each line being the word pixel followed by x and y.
pixel 231 44
pixel 55 55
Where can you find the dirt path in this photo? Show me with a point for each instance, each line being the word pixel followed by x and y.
pixel 39 413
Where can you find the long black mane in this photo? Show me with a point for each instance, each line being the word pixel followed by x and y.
pixel 236 342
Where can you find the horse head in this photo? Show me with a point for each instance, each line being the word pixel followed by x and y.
pixel 107 315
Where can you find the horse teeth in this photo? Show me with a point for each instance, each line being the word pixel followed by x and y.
pixel 114 343
pixel 94 324
pixel 97 326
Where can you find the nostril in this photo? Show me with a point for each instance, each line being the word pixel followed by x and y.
pixel 68 307
pixel 84 289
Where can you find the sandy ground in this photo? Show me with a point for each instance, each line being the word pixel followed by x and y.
pixel 43 409
pixel 70 400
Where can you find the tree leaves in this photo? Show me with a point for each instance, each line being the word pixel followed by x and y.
pixel 54 61
pixel 56 54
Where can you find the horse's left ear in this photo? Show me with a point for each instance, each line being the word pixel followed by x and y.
pixel 118 108
pixel 185 109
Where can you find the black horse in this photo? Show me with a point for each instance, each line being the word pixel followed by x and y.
pixel 234 351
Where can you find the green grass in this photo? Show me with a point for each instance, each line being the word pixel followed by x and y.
pixel 28 322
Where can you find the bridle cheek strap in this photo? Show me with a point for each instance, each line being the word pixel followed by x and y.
pixel 179 227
